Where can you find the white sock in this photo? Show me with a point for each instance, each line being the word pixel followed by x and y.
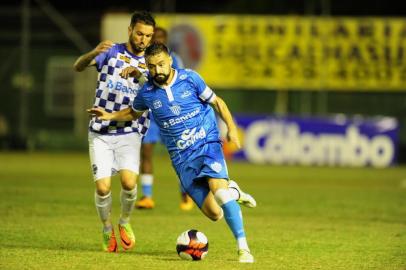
pixel 147 179
pixel 127 198
pixel 242 243
pixel 221 213
pixel 146 184
pixel 234 193
pixel 223 196
pixel 103 206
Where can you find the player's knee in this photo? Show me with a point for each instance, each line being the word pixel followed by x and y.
pixel 102 190
pixel 128 180
pixel 102 187
pixel 128 185
pixel 216 216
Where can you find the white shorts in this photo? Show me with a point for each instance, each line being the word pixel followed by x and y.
pixel 111 153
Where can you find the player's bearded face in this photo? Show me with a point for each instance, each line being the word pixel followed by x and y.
pixel 140 36
pixel 161 78
pixel 162 75
pixel 160 67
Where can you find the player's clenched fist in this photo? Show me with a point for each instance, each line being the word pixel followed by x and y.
pixel 130 72
pixel 103 46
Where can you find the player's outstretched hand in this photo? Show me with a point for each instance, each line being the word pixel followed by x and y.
pixel 99 113
pixel 130 72
pixel 103 46
pixel 232 136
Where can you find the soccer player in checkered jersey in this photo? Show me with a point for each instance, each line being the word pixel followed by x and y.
pixel 114 146
pixel 183 107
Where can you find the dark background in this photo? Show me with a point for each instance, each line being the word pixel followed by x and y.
pixel 46 39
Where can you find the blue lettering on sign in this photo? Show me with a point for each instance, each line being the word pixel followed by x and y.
pixel 119 86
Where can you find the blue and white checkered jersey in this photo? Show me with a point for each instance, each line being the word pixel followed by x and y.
pixel 114 93
pixel 182 112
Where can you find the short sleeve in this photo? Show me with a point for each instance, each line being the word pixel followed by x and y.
pixel 203 91
pixel 139 104
pixel 101 60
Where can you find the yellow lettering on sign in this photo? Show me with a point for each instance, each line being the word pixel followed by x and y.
pixel 288 52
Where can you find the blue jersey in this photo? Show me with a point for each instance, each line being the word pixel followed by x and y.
pixel 182 112
pixel 114 93
pixel 153 135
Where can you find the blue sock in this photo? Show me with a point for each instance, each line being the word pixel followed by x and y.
pixel 147 190
pixel 233 216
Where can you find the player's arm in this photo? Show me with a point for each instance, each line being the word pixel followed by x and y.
pixel 221 108
pixel 88 59
pixel 127 114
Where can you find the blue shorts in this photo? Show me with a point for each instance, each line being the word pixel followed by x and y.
pixel 152 135
pixel 205 162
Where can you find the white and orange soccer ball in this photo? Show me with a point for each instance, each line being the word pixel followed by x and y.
pixel 192 245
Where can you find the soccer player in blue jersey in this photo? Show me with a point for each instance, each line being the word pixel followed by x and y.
pixel 151 138
pixel 182 105
pixel 114 146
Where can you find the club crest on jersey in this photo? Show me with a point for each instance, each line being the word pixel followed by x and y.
pixel 125 58
pixel 157 104
pixel 175 109
pixel 182 77
pixel 217 167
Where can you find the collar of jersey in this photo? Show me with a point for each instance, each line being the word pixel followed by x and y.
pixel 130 53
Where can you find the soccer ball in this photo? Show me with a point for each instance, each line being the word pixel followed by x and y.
pixel 192 245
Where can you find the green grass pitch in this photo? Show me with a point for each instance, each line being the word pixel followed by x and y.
pixel 306 218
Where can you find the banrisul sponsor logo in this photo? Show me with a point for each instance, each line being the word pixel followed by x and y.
pixel 180 119
pixel 119 86
pixel 190 137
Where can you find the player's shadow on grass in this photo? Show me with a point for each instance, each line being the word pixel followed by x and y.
pixel 53 247
pixel 165 255
pixel 162 255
